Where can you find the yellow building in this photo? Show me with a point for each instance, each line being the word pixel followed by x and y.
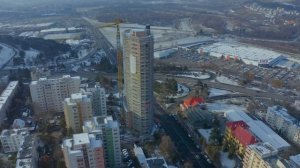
pixel 238 136
pixel 261 155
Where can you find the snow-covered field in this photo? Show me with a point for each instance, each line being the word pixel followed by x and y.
pixel 226 80
pixel 195 75
pixel 30 34
pixel 181 92
pixel 225 161
pixel 6 53
pixel 218 92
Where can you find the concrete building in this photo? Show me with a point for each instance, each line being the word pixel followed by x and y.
pixel 138 75
pixel 108 129
pixel 293 134
pixel 279 119
pixel 98 100
pixel 48 94
pixel 12 139
pixel 153 162
pixel 83 151
pixel 27 156
pixel 260 156
pixel 295 161
pixel 6 99
pixel 77 109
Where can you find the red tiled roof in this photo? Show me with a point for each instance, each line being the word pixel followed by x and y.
pixel 240 131
pixel 193 101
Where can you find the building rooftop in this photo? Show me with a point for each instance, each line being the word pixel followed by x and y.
pixel 139 153
pixel 26 150
pixel 264 149
pixel 193 101
pixel 11 132
pixel 24 163
pixel 240 131
pixel 156 162
pixel 259 129
pixel 80 139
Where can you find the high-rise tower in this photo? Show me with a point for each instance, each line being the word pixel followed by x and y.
pixel 138 75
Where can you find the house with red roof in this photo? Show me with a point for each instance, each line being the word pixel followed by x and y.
pixel 192 102
pixel 238 136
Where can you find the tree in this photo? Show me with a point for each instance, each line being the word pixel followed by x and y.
pixel 22 54
pixel 249 76
pixel 215 137
pixel 188 164
pixel 277 83
pixel 167 147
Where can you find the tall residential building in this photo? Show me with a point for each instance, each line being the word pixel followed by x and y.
pixel 77 109
pixel 48 94
pixel 138 75
pixel 108 129
pixel 261 155
pixel 12 139
pixel 279 119
pixel 98 100
pixel 83 151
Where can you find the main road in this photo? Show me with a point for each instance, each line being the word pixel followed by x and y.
pixel 186 148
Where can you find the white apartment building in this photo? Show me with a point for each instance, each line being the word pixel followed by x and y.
pixel 279 119
pixel 108 129
pixel 48 94
pixel 12 139
pixel 83 151
pixel 98 100
pixel 6 99
pixel 77 109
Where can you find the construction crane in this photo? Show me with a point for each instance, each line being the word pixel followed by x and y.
pixel 116 23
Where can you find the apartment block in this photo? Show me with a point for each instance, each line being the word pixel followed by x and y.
pixel 279 119
pixel 13 139
pixel 83 151
pixel 48 94
pixel 77 109
pixel 6 99
pixel 98 100
pixel 108 130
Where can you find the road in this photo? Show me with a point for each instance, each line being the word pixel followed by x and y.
pixel 185 145
pixel 243 90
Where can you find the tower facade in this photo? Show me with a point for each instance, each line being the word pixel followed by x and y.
pixel 138 74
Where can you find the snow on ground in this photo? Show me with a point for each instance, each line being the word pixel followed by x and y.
pixel 225 161
pixel 6 53
pixel 30 34
pixel 226 80
pixel 218 92
pixel 83 53
pixel 195 75
pixel 72 42
pixel 219 107
pixel 61 36
pixel 181 91
pixel 30 55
